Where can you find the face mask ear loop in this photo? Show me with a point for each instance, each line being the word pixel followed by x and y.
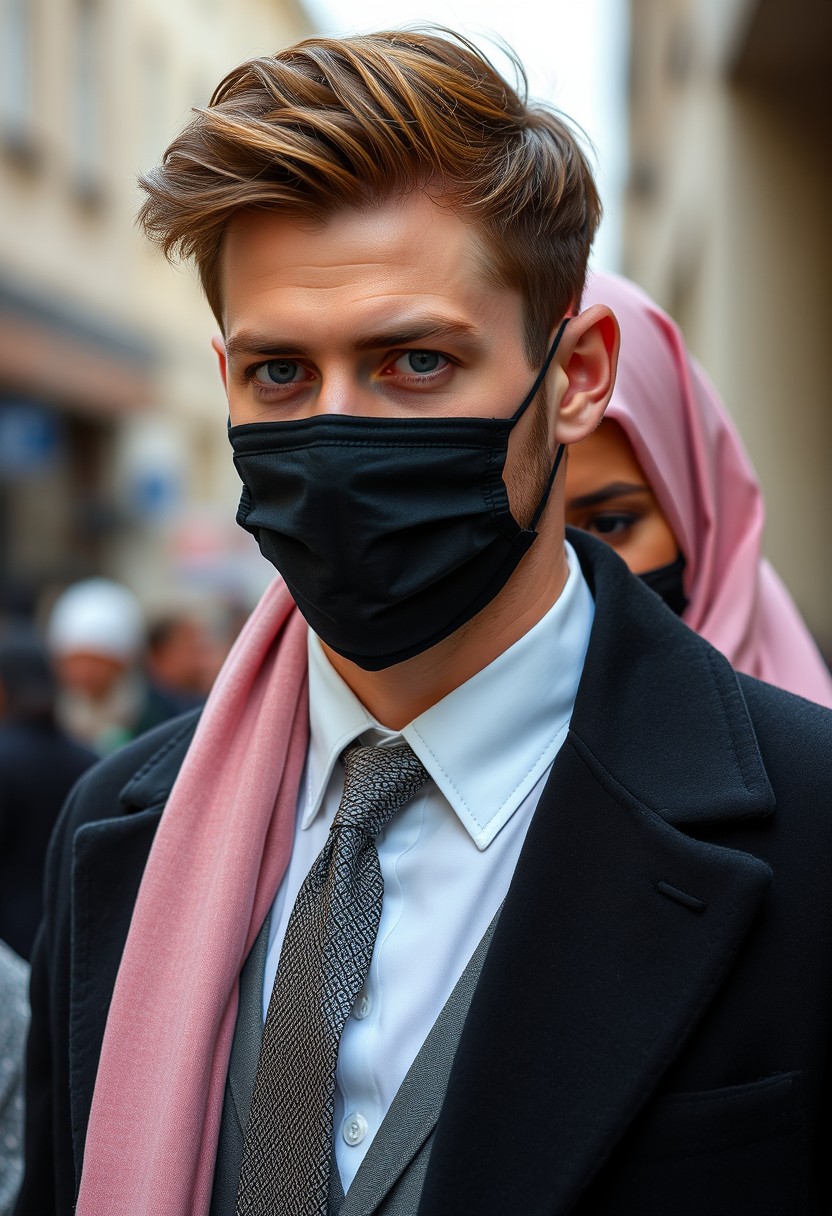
pixel 541 506
pixel 541 375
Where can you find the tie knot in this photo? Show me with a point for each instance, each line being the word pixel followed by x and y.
pixel 377 781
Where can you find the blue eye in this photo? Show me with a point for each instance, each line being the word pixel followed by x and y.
pixel 277 371
pixel 420 362
pixel 423 360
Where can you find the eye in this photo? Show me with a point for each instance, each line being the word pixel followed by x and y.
pixel 277 371
pixel 612 523
pixel 420 362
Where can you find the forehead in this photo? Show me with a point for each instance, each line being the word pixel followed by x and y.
pixel 357 265
pixel 604 456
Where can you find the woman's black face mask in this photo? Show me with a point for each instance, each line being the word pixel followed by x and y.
pixel 390 533
pixel 666 581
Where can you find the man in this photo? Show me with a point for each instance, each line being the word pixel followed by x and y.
pixel 524 910
pixel 39 765
pixel 96 637
pixel 182 661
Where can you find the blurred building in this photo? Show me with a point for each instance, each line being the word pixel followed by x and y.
pixel 113 456
pixel 728 225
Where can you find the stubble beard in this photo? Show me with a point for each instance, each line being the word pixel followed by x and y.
pixel 527 481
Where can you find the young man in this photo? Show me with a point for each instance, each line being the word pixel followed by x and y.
pixel 524 909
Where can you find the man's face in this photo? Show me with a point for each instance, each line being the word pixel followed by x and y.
pixel 88 674
pixel 379 312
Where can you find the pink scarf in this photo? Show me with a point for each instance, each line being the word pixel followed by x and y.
pixel 219 854
pixel 700 473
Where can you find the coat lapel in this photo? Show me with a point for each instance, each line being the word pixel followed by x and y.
pixel 618 928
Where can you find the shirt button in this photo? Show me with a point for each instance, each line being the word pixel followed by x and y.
pixel 354 1129
pixel 361 1007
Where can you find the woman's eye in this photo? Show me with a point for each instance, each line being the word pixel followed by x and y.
pixel 419 362
pixel 277 371
pixel 611 523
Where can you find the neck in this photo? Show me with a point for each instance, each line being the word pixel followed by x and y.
pixel 398 694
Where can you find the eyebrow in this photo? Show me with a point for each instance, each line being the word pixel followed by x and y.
pixel 615 489
pixel 417 330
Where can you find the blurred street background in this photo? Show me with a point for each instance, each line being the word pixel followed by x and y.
pixel 710 121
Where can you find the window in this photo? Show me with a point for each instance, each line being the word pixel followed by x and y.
pixel 17 83
pixel 86 108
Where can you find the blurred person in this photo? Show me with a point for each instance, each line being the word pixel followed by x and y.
pixel 39 765
pixel 483 885
pixel 665 480
pixel 182 657
pixel 14 1019
pixel 97 637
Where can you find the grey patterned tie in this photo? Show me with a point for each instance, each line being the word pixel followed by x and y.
pixel 323 965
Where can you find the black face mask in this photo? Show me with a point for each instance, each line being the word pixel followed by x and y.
pixel 391 533
pixel 666 581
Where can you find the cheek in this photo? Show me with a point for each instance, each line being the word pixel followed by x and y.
pixel 527 468
pixel 651 544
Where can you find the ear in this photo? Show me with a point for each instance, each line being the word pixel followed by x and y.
pixel 588 357
pixel 218 343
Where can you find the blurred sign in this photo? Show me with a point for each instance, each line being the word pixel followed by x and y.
pixel 154 494
pixel 210 551
pixel 151 469
pixel 30 439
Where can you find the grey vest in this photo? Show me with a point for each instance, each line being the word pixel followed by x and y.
pixel 389 1180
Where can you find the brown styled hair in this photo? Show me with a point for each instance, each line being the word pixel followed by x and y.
pixel 335 122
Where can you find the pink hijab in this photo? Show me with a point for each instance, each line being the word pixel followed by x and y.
pixel 703 480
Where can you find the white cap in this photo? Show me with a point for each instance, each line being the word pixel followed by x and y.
pixel 97 616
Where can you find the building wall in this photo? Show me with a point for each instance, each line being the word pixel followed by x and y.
pixel 97 335
pixel 728 226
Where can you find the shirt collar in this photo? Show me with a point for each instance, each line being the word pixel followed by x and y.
pixel 487 743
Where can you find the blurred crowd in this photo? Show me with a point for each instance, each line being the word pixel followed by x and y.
pixel 99 673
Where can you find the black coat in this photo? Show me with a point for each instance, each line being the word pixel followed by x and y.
pixel 38 767
pixel 650 1032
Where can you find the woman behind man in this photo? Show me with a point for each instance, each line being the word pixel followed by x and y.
pixel 666 481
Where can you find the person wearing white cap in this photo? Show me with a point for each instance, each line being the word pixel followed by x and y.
pixel 96 635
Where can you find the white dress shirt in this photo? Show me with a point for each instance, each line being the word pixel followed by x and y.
pixel 447 857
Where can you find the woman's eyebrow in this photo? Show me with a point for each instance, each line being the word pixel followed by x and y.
pixel 615 489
